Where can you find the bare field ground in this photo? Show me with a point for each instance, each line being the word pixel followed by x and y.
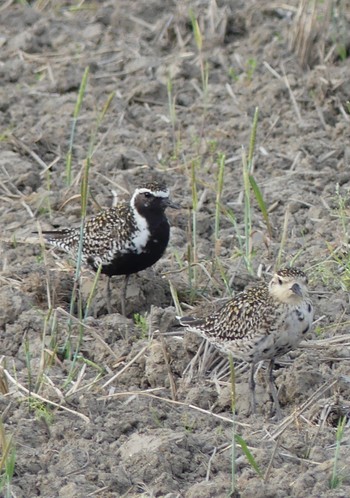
pixel 123 407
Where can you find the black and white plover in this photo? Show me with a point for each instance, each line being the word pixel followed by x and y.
pixel 124 239
pixel 260 323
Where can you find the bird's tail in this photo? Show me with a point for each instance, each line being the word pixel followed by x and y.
pixel 65 239
pixel 55 234
pixel 52 235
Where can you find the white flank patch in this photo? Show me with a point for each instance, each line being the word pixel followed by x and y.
pixel 142 235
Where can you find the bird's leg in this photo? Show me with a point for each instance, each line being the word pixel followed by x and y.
pixel 123 296
pixel 273 389
pixel 252 388
pixel 108 295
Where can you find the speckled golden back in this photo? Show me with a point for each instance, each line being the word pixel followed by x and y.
pixel 263 321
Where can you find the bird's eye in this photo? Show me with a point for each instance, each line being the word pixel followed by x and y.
pixel 147 194
pixel 280 281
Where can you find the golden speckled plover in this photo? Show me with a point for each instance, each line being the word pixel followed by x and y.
pixel 124 239
pixel 261 323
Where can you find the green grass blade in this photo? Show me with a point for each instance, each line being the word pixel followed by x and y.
pixel 5 446
pixel 194 186
pixel 76 113
pixel 171 103
pixel 253 139
pixel 105 108
pixel 236 438
pixel 261 203
pixel 231 216
pixel 219 187
pixel 247 212
pixel 335 480
pixel 248 454
pixel 175 297
pixel 7 462
pixel 221 270
pixel 84 190
pixel 76 287
pixel 196 31
pixel 10 463
pixel 233 410
pixel 93 291
pixel 194 259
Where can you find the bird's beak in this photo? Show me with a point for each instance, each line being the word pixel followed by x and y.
pixel 296 289
pixel 168 203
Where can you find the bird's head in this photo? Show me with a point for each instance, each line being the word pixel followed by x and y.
pixel 152 197
pixel 289 286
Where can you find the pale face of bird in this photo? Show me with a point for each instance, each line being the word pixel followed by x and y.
pixel 289 289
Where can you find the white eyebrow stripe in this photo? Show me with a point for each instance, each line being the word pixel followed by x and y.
pixel 156 193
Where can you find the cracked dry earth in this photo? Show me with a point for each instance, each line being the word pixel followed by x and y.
pixel 137 413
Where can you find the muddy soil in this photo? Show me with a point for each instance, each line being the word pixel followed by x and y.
pixel 131 409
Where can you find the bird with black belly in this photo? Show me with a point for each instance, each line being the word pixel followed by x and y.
pixel 124 239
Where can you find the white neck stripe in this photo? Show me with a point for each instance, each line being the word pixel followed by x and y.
pixel 157 193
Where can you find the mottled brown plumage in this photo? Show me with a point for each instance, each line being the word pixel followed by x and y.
pixel 260 323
